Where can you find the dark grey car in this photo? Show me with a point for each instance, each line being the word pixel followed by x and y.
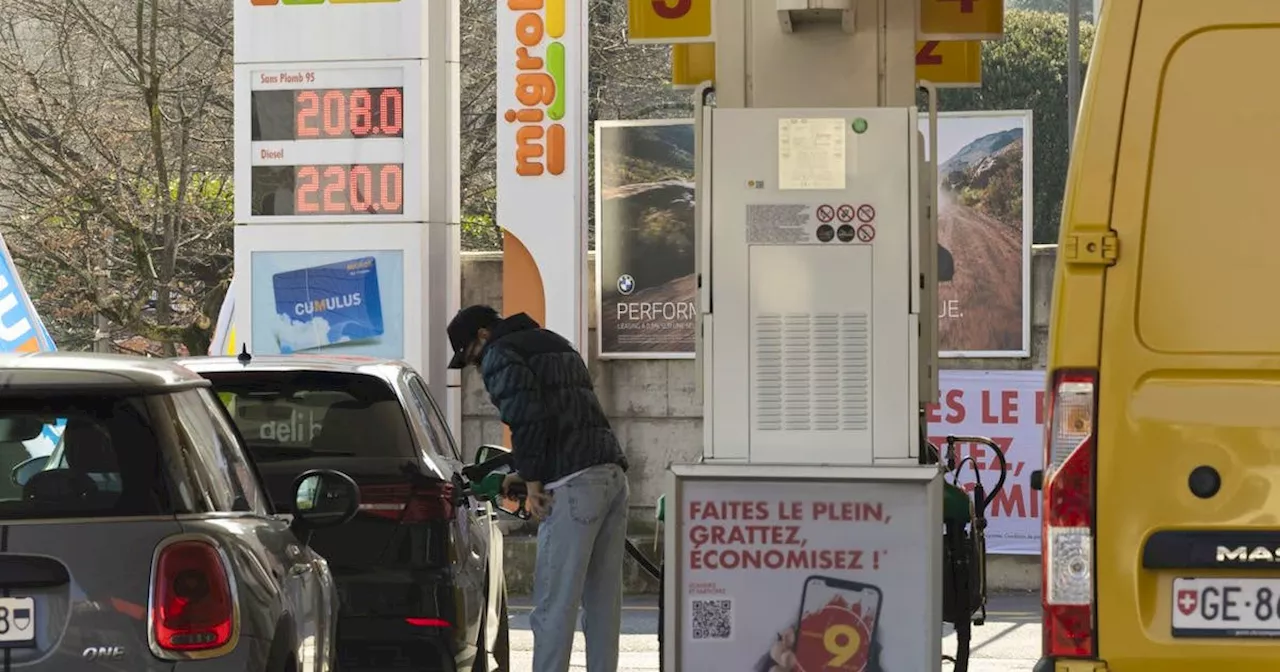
pixel 420 567
pixel 140 538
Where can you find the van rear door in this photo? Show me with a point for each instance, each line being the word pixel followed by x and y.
pixel 1188 436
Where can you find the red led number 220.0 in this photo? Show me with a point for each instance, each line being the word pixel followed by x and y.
pixel 376 189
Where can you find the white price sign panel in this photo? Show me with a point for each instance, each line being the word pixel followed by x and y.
pixel 319 30
pixel 803 568
pixel 319 143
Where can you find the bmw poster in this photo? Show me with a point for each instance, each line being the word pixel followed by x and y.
pixel 333 302
pixel 644 239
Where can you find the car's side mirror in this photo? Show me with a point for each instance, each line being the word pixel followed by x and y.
pixel 27 468
pixel 324 498
pixel 489 451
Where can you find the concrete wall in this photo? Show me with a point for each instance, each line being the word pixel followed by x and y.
pixel 655 410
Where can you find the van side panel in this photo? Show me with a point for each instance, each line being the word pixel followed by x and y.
pixel 1190 358
pixel 1075 330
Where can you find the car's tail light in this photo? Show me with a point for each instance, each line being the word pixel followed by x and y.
pixel 192 606
pixel 407 504
pixel 1069 521
pixel 428 622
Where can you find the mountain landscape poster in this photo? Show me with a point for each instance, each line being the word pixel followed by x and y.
pixel 984 233
pixel 644 239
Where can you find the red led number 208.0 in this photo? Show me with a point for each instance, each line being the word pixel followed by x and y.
pixel 349 113
pixel 376 189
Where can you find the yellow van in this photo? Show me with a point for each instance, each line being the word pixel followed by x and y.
pixel 1161 537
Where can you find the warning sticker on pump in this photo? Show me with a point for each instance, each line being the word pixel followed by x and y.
pixel 788 224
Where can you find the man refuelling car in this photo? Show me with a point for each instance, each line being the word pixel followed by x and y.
pixel 574 469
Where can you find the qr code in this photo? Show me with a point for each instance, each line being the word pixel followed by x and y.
pixel 713 619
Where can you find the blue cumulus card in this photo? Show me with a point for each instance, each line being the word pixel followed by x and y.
pixel 326 305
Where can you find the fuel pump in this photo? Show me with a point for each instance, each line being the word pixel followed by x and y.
pixel 964 547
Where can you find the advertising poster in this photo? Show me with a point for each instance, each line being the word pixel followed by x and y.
pixel 1008 408
pixel 341 303
pixel 984 233
pixel 819 576
pixel 644 239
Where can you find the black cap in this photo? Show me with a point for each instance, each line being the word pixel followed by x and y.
pixel 463 329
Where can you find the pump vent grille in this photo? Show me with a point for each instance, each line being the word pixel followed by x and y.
pixel 812 371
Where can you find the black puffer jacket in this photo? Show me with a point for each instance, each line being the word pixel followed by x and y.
pixel 543 392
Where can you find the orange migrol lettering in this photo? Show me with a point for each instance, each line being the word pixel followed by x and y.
pixel 526 62
pixel 524 116
pixel 529 151
pixel 524 5
pixel 535 88
pixel 529 29
pixel 555 149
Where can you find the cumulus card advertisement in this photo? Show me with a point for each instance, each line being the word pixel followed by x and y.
pixel 340 302
pixel 335 302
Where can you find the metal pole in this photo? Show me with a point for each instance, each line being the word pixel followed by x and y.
pixel 1073 69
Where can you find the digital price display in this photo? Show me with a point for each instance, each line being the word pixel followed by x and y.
pixel 315 114
pixel 329 143
pixel 329 189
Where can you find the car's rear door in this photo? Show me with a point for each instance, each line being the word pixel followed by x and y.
pixel 472 521
pixel 393 563
pixel 76 545
pixel 1188 528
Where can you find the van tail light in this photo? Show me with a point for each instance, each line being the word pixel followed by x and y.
pixel 1069 522
pixel 192 608
pixel 408 504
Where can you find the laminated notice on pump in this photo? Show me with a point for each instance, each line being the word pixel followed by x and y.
pixel 811 154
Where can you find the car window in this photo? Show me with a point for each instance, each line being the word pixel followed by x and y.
pixel 304 415
pixel 110 460
pixel 441 439
pixel 214 456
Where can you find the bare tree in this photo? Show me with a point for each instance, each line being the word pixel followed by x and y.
pixel 115 138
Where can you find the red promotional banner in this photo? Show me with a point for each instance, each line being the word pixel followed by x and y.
pixel 1008 408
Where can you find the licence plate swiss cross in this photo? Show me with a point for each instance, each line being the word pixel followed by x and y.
pixel 17 621
pixel 1226 607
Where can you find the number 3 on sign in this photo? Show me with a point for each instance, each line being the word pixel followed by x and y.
pixel 842 642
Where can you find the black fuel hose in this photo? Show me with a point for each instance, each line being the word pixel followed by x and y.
pixel 645 563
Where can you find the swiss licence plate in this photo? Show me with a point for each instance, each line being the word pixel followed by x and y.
pixel 17 621
pixel 1226 607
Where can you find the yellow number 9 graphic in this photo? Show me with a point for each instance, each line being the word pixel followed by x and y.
pixel 842 642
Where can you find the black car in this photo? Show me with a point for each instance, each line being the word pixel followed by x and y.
pixel 419 569
pixel 134 532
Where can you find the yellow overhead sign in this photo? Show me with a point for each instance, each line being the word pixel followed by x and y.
pixel 669 21
pixel 949 64
pixel 955 20
pixel 692 64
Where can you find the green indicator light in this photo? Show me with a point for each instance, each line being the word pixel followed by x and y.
pixel 859 125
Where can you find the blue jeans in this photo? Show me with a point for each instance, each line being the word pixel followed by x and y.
pixel 581 547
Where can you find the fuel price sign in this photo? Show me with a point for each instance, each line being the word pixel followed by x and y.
pixel 331 144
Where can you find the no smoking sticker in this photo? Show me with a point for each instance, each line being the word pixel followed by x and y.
pixel 845 213
pixel 866 213
pixel 825 213
pixel 866 233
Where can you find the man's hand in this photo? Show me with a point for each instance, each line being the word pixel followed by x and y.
pixel 538 501
pixel 508 481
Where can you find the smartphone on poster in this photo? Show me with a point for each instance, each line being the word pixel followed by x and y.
pixel 838 620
